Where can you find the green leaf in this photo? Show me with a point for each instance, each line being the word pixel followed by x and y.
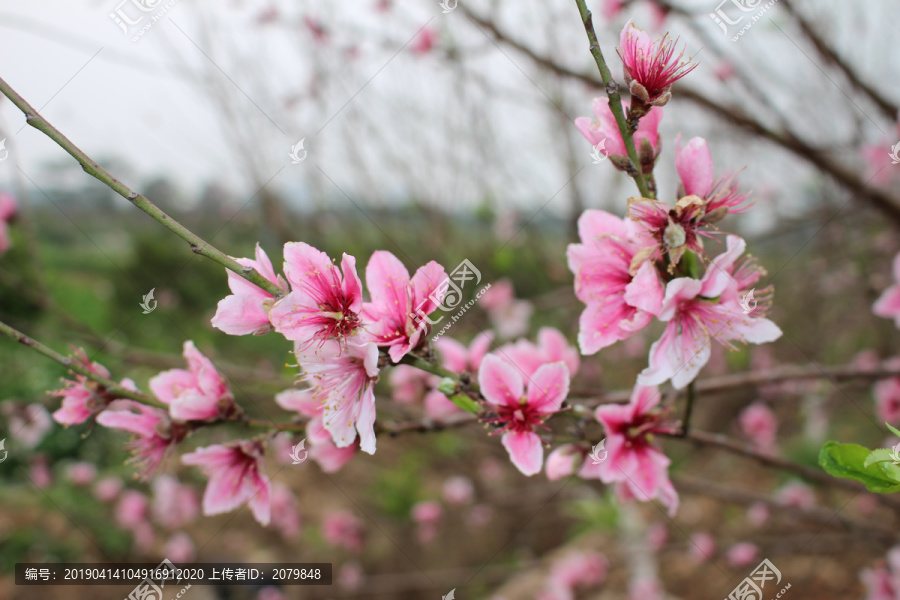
pixel 880 455
pixel 465 403
pixel 893 429
pixel 848 461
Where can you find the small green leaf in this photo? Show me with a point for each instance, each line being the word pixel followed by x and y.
pixel 465 403
pixel 880 455
pixel 848 461
pixel 893 429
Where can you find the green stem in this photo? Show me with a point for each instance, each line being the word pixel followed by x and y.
pixel 73 365
pixel 92 168
pixel 615 101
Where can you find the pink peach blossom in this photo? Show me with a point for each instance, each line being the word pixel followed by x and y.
pixel 342 377
pixel 154 433
pixel 81 397
pixel 657 536
pixel 698 311
pixel 245 311
pixel 702 546
pixel 285 512
pixel 631 460
pixel 427 516
pixel 425 41
pixel 409 385
pixel 81 473
pixel 758 514
pixel 343 530
pixel 39 473
pixel 174 505
pixel 602 126
pixel 695 169
pixel 796 494
pixel 621 298
pixel 350 576
pixel 131 509
pixel 27 423
pixel 108 488
pixel 519 410
pixel 742 554
pixel 235 473
pixel 456 358
pixel 195 394
pixel 564 461
pixel 180 548
pixel 8 206
pixel 651 66
pixel 887 399
pixel 458 490
pixel 322 449
pixel 399 304
pixel 759 423
pixel 325 301
pixel 509 316
pixel 552 346
pixel 888 304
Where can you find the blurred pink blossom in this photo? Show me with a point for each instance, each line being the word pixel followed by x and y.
pixel 758 423
pixel 108 488
pixel 27 423
pixel 39 473
pixel 180 548
pixel 425 41
pixel 702 546
pixel 81 473
pixel 343 530
pixel 742 554
pixel 285 512
pixel 509 316
pixel 888 304
pixel 174 504
pixel 458 490
pixel 427 516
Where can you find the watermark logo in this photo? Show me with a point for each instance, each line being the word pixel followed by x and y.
pixel 600 152
pixel 4 153
pixel 151 588
pixel 726 21
pixel 296 450
pixel 447 296
pixel 894 153
pixel 148 298
pixel 448 6
pixel 136 17
pixel 296 157
pixel 748 302
pixel 3 449
pixel 751 588
pixel 450 596
pixel 596 450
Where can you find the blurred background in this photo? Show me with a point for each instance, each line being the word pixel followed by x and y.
pixel 438 136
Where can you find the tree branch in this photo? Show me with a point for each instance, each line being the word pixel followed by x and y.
pixel 198 246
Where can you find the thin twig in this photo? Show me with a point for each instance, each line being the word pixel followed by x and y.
pixel 198 246
pixel 615 101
